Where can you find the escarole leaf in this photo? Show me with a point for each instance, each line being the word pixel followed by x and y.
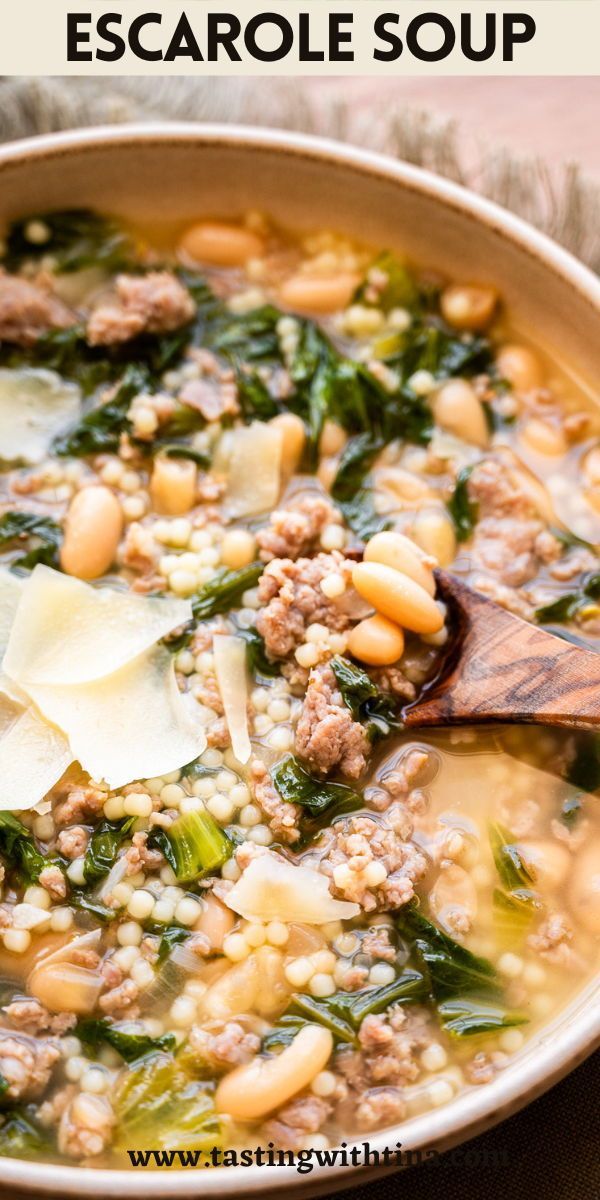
pixel 19 849
pixel 515 902
pixel 468 1018
pixel 463 987
pixel 30 528
pixel 258 662
pixel 344 1012
pixel 159 1104
pixel 76 238
pixel 376 711
pixel 462 509
pixel 20 1136
pixel 451 968
pixel 103 848
pixel 509 864
pixel 349 489
pixel 225 590
pixel 317 796
pixel 130 1045
pixel 388 284
pixel 579 605
pixel 193 845
pixel 99 431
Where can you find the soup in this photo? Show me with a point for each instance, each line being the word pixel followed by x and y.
pixel 241 906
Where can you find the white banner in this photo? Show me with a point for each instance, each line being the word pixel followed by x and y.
pixel 366 37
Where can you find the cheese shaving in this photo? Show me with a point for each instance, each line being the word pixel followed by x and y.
pixel 133 724
pixel 251 456
pixel 67 632
pixel 33 755
pixel 35 406
pixel 230 668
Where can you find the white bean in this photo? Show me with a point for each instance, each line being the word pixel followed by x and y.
pixel 251 1091
pixel 93 528
pixel 318 293
pixel 457 408
pixel 521 367
pixel 395 550
pixel 221 244
pixel 397 597
pixel 434 532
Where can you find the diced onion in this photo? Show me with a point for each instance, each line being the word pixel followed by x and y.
pixel 251 458
pixel 35 406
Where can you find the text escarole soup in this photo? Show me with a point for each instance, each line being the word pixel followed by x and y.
pixel 240 904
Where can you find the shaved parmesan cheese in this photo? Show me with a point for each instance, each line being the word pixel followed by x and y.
pixel 67 632
pixel 271 888
pixel 11 587
pixel 252 461
pixel 33 756
pixel 133 724
pixel 35 406
pixel 230 667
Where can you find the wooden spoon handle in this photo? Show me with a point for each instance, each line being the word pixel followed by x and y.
pixel 500 668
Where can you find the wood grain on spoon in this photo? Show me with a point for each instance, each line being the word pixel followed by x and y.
pixel 499 668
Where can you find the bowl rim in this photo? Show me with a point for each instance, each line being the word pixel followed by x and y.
pixel 554 1051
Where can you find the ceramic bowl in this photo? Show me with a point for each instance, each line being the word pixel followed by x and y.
pixel 172 173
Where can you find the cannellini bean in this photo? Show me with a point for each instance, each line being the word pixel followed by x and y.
pixel 258 1087
pixel 215 920
pixel 93 528
pixel 397 597
pixel 376 641
pixel 273 992
pixel 65 987
pixel 333 439
pixel 318 293
pixel 521 367
pixel 453 893
pixel 548 862
pixel 468 307
pixel 433 532
pixel 173 485
pixel 584 891
pixel 221 244
pixel 403 484
pixel 457 408
pixel 293 440
pixel 396 550
pixel 234 993
pixel 544 438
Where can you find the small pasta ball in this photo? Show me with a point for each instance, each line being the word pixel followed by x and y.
pixel 468 307
pixel 376 641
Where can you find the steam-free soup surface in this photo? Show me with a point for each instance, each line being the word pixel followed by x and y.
pixel 240 905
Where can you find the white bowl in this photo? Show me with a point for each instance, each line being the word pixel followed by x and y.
pixel 172 173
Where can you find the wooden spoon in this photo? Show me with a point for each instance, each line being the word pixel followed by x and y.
pixel 499 668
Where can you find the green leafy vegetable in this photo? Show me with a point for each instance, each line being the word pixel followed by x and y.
pixel 103 848
pixel 462 509
pixel 375 710
pixel 193 845
pixel 509 864
pixel 93 908
pixel 317 796
pixel 158 1104
pixel 258 662
pixel 255 400
pixel 225 590
pixel 400 290
pixel 430 345
pixel 31 528
pixel 4 1085
pixel 572 606
pixel 131 1046
pixel 452 970
pixel 18 847
pixel 20 1137
pixel 77 238
pixel 247 337
pixel 170 936
pixel 349 490
pixel 469 1018
pixel 570 811
pixel 180 450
